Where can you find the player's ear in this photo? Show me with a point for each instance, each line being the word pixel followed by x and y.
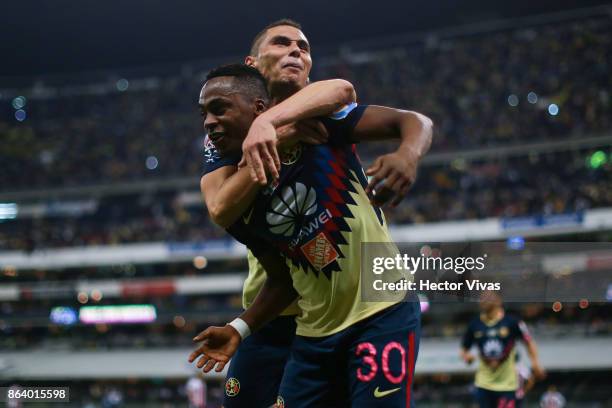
pixel 251 61
pixel 260 106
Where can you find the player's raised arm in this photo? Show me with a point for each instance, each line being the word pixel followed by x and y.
pixel 228 193
pixel 393 174
pixel 317 99
pixel 220 343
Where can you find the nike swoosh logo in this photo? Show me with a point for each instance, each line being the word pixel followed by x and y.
pixel 379 394
pixel 247 217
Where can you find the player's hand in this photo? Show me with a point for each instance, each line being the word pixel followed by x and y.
pixel 468 358
pixel 309 131
pixel 218 345
pixel 538 372
pixel 392 176
pixel 260 153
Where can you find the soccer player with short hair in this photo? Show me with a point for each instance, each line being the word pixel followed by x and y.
pixel 495 334
pixel 312 220
pixel 286 65
pixel 270 346
pixel 282 53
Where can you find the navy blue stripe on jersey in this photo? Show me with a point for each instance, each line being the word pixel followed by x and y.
pixel 213 160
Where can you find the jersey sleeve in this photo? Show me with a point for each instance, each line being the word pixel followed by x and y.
pixel 340 125
pixel 255 244
pixel 521 331
pixel 213 160
pixel 468 337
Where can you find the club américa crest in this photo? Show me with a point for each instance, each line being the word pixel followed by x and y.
pixel 291 155
pixel 232 387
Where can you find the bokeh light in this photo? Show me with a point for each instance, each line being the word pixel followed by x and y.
pixel 19 102
pixel 82 297
pixel 513 100
pixel 96 295
pixel 532 97
pixel 122 85
pixel 152 162
pixel 515 243
pixel 9 271
pixel 553 109
pixel 20 115
pixel 200 262
pixel 101 328
pixel 597 159
pixel 179 321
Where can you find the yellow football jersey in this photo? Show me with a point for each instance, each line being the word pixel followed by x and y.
pixel 253 283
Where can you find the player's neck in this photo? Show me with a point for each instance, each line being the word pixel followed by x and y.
pixel 282 90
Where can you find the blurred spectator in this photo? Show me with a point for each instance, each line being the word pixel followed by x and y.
pixel 552 398
pixel 112 398
pixel 196 391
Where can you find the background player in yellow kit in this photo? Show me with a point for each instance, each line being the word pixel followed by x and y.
pixel 496 334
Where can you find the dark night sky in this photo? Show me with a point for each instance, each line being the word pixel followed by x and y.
pixel 59 36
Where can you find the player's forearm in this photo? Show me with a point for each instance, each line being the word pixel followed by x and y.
pixel 317 99
pixel 276 294
pixel 233 198
pixel 414 129
pixel 272 300
pixel 532 352
pixel 416 132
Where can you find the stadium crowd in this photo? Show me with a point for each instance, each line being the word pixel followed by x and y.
pixel 548 183
pixel 539 83
pixel 495 89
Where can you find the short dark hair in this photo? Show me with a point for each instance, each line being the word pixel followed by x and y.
pixel 282 22
pixel 249 79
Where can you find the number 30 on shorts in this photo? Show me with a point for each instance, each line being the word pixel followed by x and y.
pixel 368 353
